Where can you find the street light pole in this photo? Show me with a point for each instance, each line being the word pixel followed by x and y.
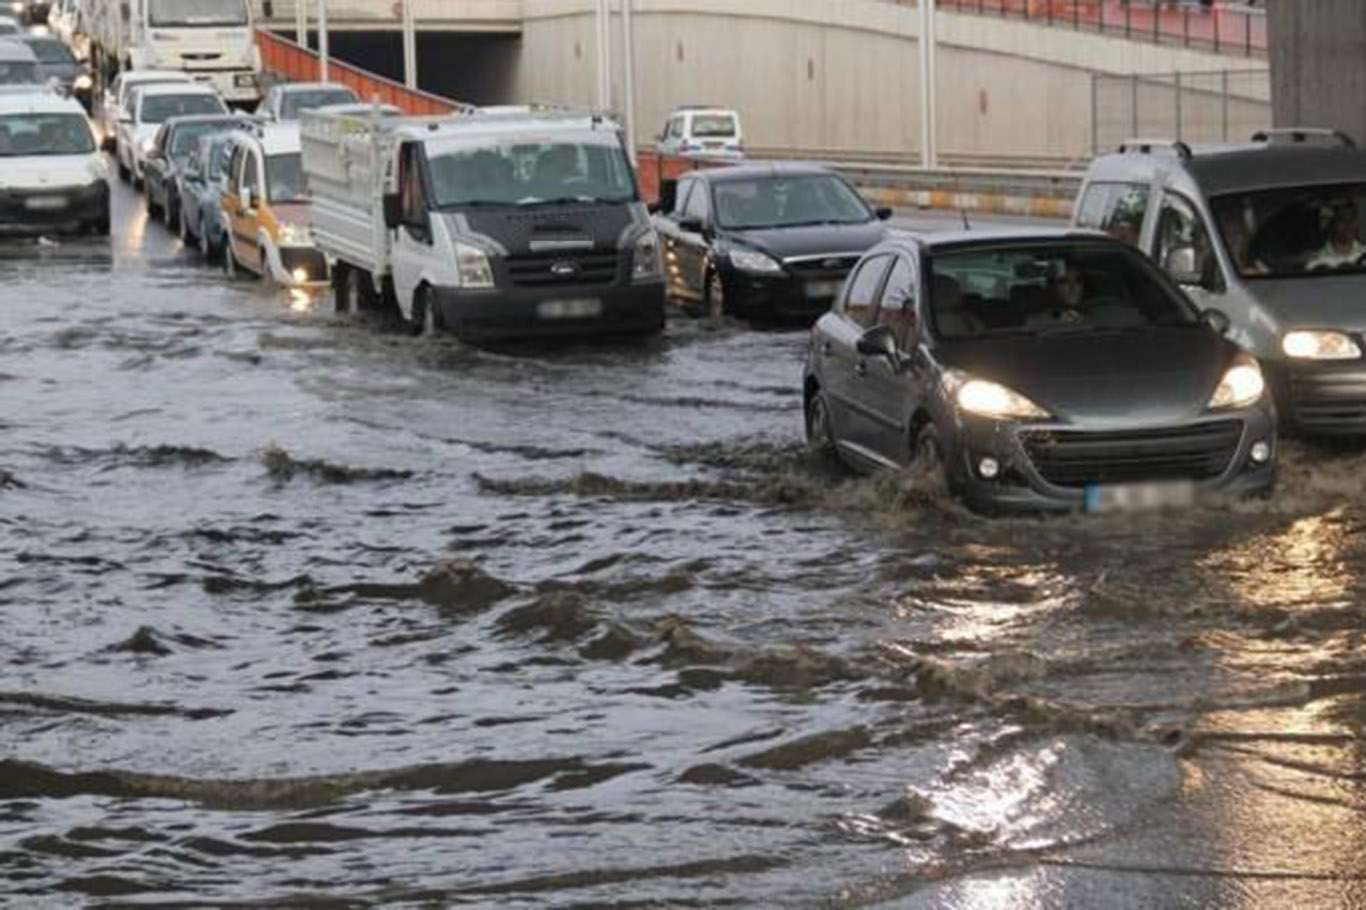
pixel 324 47
pixel 410 43
pixel 928 85
pixel 628 53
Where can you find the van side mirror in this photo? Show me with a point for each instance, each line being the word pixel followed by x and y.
pixel 879 341
pixel 1217 320
pixel 393 210
pixel 883 214
pixel 1183 265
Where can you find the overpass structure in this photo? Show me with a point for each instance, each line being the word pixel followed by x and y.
pixel 1042 83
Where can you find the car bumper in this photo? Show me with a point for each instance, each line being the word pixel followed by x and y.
pixel 56 209
pixel 1321 398
pixel 507 314
pixel 1060 469
pixel 784 297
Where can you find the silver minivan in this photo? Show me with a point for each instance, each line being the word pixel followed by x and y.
pixel 1269 234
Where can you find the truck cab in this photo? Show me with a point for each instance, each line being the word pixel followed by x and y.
pixel 518 223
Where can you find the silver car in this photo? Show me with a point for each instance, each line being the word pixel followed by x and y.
pixel 1268 234
pixel 201 185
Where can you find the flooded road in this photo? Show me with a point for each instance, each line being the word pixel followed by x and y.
pixel 298 612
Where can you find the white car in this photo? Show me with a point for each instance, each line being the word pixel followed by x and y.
pixel 285 102
pixel 149 107
pixel 120 91
pixel 18 64
pixel 709 132
pixel 52 176
pixel 9 27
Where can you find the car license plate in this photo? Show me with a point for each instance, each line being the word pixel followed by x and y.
pixel 569 309
pixel 823 288
pixel 1139 497
pixel 46 203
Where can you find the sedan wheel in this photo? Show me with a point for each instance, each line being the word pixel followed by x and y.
pixel 716 296
pixel 230 267
pixel 171 211
pixel 927 458
pixel 205 244
pixel 184 228
pixel 820 436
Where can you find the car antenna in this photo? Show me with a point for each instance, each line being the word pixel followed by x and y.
pixel 962 208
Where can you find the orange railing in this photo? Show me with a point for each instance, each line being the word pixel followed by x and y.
pixel 290 62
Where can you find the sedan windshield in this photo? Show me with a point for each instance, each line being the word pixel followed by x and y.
pixel 45 134
pixel 1047 289
pixel 18 72
pixel 773 202
pixel 285 178
pixel 186 135
pixel 51 51
pixel 1296 231
pixel 160 108
pixel 195 13
pixel 532 174
pixel 295 103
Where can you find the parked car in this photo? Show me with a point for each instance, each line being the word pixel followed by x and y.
pixel 9 27
pixel 773 241
pixel 202 183
pixel 58 68
pixel 170 148
pixel 18 64
pixel 1270 233
pixel 1037 370
pixel 267 214
pixel 149 107
pixel 52 176
pixel 285 102
pixel 706 131
pixel 118 96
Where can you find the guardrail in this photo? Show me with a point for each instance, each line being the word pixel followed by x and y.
pixel 291 62
pixel 1219 26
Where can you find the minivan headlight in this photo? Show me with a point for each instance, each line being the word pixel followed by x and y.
pixel 1241 386
pixel 472 263
pixel 991 399
pixel 1310 345
pixel 646 264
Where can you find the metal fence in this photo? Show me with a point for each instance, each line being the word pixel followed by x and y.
pixel 1233 28
pixel 1214 107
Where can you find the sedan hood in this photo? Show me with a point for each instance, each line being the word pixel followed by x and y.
pixel 1314 302
pixel 814 240
pixel 1104 379
pixel 39 172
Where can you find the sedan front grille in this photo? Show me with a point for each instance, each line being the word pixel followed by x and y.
pixel 574 268
pixel 1076 458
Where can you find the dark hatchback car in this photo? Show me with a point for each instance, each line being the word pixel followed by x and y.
pixel 172 146
pixel 1040 371
pixel 771 242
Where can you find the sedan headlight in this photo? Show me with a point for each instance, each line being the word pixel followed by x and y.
pixel 646 264
pixel 295 235
pixel 1305 345
pixel 1241 386
pixel 473 266
pixel 991 399
pixel 755 263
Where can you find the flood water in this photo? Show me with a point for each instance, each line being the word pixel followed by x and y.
pixel 301 613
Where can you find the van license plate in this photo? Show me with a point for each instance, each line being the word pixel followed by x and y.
pixel 46 203
pixel 1139 497
pixel 569 309
pixel 820 289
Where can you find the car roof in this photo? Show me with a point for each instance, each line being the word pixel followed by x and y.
pixel 136 77
pixel 701 109
pixel 759 171
pixel 959 240
pixel 1222 169
pixel 161 89
pixel 38 101
pixel 315 87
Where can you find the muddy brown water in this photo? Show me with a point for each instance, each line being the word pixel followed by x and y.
pixel 300 613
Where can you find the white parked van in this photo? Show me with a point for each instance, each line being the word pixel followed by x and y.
pixel 52 175
pixel 710 132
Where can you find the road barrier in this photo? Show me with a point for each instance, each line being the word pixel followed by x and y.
pixel 287 61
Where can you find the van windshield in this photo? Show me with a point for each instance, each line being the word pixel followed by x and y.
pixel 1049 289
pixel 285 178
pixel 531 173
pixel 45 134
pixel 196 13
pixel 713 126
pixel 1294 231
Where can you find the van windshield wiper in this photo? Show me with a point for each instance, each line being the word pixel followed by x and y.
pixel 565 200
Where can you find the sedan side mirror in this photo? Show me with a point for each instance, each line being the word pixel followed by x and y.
pixel 883 213
pixel 879 341
pixel 1217 320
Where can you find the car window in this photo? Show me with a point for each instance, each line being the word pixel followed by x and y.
pixel 1183 240
pixel 685 187
pixel 897 310
pixel 1294 231
pixel 861 296
pixel 713 126
pixel 676 127
pixel 789 201
pixel 698 206
pixel 1118 209
pixel 251 176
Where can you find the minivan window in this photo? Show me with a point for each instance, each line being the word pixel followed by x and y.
pixel 187 135
pixel 860 304
pixel 50 50
pixel 196 13
pixel 697 204
pixel 1118 209
pixel 782 201
pixel 285 178
pixel 1293 231
pixel 45 134
pixel 897 310
pixel 530 173
pixel 1181 228
pixel 1049 288
pixel 713 126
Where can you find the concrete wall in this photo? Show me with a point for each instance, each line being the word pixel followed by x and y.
pixel 843 76
pixel 1318 62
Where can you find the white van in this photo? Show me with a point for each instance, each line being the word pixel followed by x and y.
pixel 120 92
pixel 709 132
pixel 53 178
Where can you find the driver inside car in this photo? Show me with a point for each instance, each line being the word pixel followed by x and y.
pixel 1069 302
pixel 1343 247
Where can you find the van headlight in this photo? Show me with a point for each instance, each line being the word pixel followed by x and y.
pixel 646 264
pixel 472 265
pixel 991 399
pixel 1241 386
pixel 1308 345
pixel 295 235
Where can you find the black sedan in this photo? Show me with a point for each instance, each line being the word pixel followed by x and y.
pixel 1037 371
pixel 771 242
pixel 170 150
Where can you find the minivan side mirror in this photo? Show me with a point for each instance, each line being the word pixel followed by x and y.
pixel 1183 265
pixel 879 341
pixel 393 211
pixel 883 214
pixel 1217 320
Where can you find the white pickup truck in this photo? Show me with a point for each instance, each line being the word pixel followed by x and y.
pixel 497 224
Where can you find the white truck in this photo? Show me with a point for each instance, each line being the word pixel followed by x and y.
pixel 212 40
pixel 501 224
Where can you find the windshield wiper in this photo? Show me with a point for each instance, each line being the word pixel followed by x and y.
pixel 566 200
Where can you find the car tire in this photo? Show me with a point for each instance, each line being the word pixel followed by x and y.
pixel 183 228
pixel 153 210
pixel 124 174
pixel 927 457
pixel 171 213
pixel 230 267
pixel 820 432
pixel 715 306
pixel 431 324
pixel 206 247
